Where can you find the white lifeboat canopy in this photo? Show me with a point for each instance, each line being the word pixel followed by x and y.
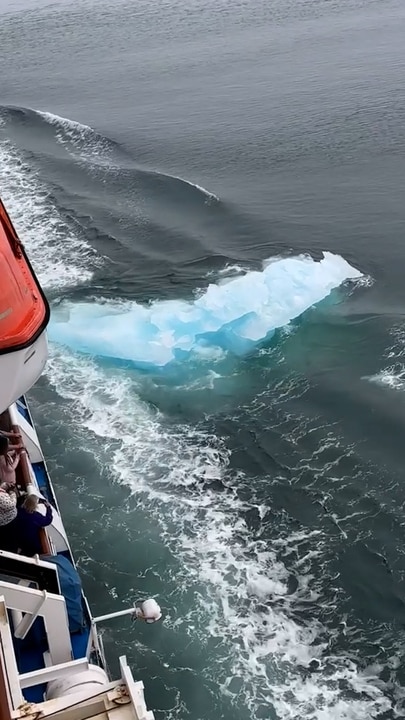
pixel 24 315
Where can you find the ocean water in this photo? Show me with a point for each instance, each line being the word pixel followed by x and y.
pixel 212 196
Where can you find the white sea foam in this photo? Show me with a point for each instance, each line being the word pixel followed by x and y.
pixel 210 195
pixel 66 123
pixel 235 315
pixel 393 375
pixel 85 143
pixel 59 255
pixel 230 270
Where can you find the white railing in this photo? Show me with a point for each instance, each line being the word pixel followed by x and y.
pixel 135 692
pixel 85 703
pixel 39 603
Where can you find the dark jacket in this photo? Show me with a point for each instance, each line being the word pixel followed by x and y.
pixel 28 526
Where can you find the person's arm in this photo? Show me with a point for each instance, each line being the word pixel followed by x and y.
pixel 16 436
pixel 44 520
pixel 15 460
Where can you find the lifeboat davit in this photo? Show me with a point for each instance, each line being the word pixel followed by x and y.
pixel 24 315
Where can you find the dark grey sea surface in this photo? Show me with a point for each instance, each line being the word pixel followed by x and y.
pixel 148 149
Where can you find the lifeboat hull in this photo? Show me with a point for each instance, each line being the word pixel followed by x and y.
pixel 21 369
pixel 24 316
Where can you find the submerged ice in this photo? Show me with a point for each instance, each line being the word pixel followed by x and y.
pixel 233 315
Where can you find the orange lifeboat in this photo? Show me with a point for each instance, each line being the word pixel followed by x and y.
pixel 24 315
pixel 24 311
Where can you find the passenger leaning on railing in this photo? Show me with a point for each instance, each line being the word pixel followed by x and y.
pixel 9 459
pixel 20 522
pixel 28 523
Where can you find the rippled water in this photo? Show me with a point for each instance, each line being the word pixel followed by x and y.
pixel 245 471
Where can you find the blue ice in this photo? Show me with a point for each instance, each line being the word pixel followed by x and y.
pixel 234 315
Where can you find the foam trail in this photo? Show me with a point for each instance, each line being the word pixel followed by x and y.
pixel 261 647
pixel 66 123
pixel 393 375
pixel 60 255
pixel 234 316
pixel 79 139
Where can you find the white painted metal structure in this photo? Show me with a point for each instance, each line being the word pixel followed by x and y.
pixel 119 700
pixel 21 369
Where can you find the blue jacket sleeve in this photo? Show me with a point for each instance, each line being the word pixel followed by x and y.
pixel 43 520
